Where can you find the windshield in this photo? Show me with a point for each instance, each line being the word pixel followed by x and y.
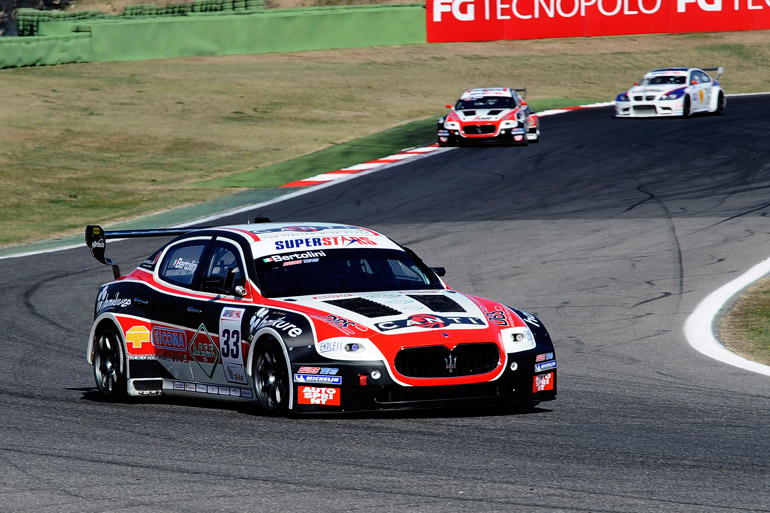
pixel 487 102
pixel 665 79
pixel 341 270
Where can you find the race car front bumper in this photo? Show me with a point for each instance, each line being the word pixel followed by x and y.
pixel 634 109
pixel 367 386
pixel 486 134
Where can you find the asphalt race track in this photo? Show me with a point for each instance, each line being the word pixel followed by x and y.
pixel 612 231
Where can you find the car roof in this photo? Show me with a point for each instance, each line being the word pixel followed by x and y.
pixel 670 71
pixel 503 92
pixel 275 238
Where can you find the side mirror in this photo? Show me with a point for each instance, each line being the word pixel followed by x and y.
pixel 440 271
pixel 636 83
pixel 448 106
pixel 693 82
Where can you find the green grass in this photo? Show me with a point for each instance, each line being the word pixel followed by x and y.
pixel 746 329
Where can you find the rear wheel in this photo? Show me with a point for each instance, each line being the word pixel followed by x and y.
pixel 271 378
pixel 720 104
pixel 109 364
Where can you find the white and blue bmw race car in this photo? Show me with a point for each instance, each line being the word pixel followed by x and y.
pixel 673 92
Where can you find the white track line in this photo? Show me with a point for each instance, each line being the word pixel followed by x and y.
pixel 698 329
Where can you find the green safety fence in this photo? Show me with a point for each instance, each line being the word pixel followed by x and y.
pixel 204 31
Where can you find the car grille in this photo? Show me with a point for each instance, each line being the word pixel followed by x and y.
pixel 479 129
pixel 440 362
pixel 649 98
pixel 645 109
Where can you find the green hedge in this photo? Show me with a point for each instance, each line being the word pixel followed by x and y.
pixel 94 37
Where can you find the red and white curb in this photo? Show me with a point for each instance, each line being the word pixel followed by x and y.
pixel 366 166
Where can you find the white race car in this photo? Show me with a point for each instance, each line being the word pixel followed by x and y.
pixel 489 115
pixel 673 92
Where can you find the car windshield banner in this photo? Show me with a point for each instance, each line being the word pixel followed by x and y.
pixel 497 20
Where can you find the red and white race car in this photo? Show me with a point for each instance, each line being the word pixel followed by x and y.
pixel 307 317
pixel 489 115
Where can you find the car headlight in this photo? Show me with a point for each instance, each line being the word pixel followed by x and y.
pixel 622 97
pixel 673 95
pixel 452 125
pixel 517 339
pixel 348 348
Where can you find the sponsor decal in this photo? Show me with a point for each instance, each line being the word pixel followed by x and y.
pixel 428 321
pixel 169 338
pixel 103 300
pixel 543 357
pixel 98 244
pixel 312 378
pixel 326 371
pixel 540 367
pixel 330 345
pixel 497 317
pixel 136 336
pixel 202 388
pixel 530 319
pixel 185 265
pixel 543 382
pixel 204 351
pixel 261 319
pixel 231 344
pixel 323 241
pixel 489 20
pixel 309 256
pixel 328 396
pixel 150 262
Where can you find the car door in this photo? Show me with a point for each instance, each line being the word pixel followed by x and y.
pixel 177 308
pixel 225 317
pixel 701 90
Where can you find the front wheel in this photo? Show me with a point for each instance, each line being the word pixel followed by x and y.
pixel 109 364
pixel 271 378
pixel 687 107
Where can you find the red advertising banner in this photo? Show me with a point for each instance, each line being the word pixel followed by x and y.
pixel 496 20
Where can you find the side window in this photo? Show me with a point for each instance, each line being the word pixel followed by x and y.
pixel 181 262
pixel 224 270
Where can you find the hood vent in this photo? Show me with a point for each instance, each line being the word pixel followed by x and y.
pixel 364 307
pixel 494 112
pixel 438 302
pixel 469 113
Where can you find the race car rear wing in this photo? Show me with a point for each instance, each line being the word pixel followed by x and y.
pixel 719 70
pixel 522 92
pixel 96 240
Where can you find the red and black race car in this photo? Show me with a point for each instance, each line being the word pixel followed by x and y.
pixel 307 317
pixel 491 115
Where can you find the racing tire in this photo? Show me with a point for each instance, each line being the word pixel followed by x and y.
pixel 110 364
pixel 687 107
pixel 536 139
pixel 271 378
pixel 720 104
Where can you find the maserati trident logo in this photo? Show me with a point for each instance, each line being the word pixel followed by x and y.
pixel 451 363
